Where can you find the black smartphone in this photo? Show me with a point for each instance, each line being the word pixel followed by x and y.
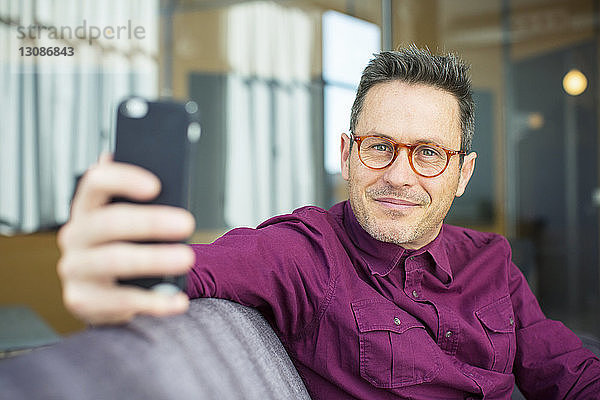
pixel 159 136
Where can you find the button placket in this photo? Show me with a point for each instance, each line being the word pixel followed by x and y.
pixel 413 285
pixel 449 330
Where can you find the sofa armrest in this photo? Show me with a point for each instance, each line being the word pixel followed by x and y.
pixel 217 350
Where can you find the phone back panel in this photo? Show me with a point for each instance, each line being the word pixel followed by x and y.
pixel 158 141
pixel 159 136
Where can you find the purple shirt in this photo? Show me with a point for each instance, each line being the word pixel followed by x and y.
pixel 366 319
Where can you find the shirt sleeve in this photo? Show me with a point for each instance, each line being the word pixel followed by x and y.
pixel 551 362
pixel 284 269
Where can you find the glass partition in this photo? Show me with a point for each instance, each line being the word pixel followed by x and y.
pixel 270 86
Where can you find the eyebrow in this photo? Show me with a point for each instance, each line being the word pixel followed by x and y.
pixel 418 141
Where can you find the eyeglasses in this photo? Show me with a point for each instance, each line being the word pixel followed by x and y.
pixel 426 159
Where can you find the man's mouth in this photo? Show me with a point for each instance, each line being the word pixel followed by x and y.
pixel 395 203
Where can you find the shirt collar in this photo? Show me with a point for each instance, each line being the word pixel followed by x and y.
pixel 382 257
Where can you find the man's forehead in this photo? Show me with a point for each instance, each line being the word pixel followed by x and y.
pixel 405 91
pixel 398 108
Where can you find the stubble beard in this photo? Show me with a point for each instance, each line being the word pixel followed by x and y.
pixel 388 225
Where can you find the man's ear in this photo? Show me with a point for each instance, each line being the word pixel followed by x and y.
pixel 466 172
pixel 345 156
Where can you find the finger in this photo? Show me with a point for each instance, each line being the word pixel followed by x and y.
pixel 109 304
pixel 126 260
pixel 107 180
pixel 105 158
pixel 129 222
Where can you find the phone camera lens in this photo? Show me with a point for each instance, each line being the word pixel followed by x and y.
pixel 136 108
pixel 191 107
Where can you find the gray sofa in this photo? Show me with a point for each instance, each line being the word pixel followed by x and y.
pixel 217 350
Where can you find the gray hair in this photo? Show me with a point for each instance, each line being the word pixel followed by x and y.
pixel 413 65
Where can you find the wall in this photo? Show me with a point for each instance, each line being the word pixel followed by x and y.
pixel 28 276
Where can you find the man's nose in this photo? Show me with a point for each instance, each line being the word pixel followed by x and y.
pixel 400 173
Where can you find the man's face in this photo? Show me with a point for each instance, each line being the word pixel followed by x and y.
pixel 395 204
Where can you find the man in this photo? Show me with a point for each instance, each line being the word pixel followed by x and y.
pixel 374 298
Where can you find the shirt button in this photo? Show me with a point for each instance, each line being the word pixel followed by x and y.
pixel 448 334
pixel 511 320
pixel 397 321
pixel 415 294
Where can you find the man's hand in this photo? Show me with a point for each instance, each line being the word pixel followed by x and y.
pixel 97 246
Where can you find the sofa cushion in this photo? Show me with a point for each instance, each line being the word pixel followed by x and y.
pixel 217 350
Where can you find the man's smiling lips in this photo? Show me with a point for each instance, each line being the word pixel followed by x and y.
pixel 395 203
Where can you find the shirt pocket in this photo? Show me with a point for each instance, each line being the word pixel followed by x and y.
pixel 498 323
pixel 395 349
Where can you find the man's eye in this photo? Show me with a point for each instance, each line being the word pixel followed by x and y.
pixel 427 151
pixel 382 147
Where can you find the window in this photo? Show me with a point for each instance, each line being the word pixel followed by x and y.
pixel 348 45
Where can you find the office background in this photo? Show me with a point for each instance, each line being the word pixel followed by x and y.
pixel 275 81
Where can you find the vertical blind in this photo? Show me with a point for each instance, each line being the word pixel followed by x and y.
pixel 270 164
pixel 56 112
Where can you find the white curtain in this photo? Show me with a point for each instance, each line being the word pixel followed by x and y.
pixel 270 165
pixel 57 113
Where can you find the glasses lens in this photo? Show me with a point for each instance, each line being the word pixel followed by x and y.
pixel 376 152
pixel 429 160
